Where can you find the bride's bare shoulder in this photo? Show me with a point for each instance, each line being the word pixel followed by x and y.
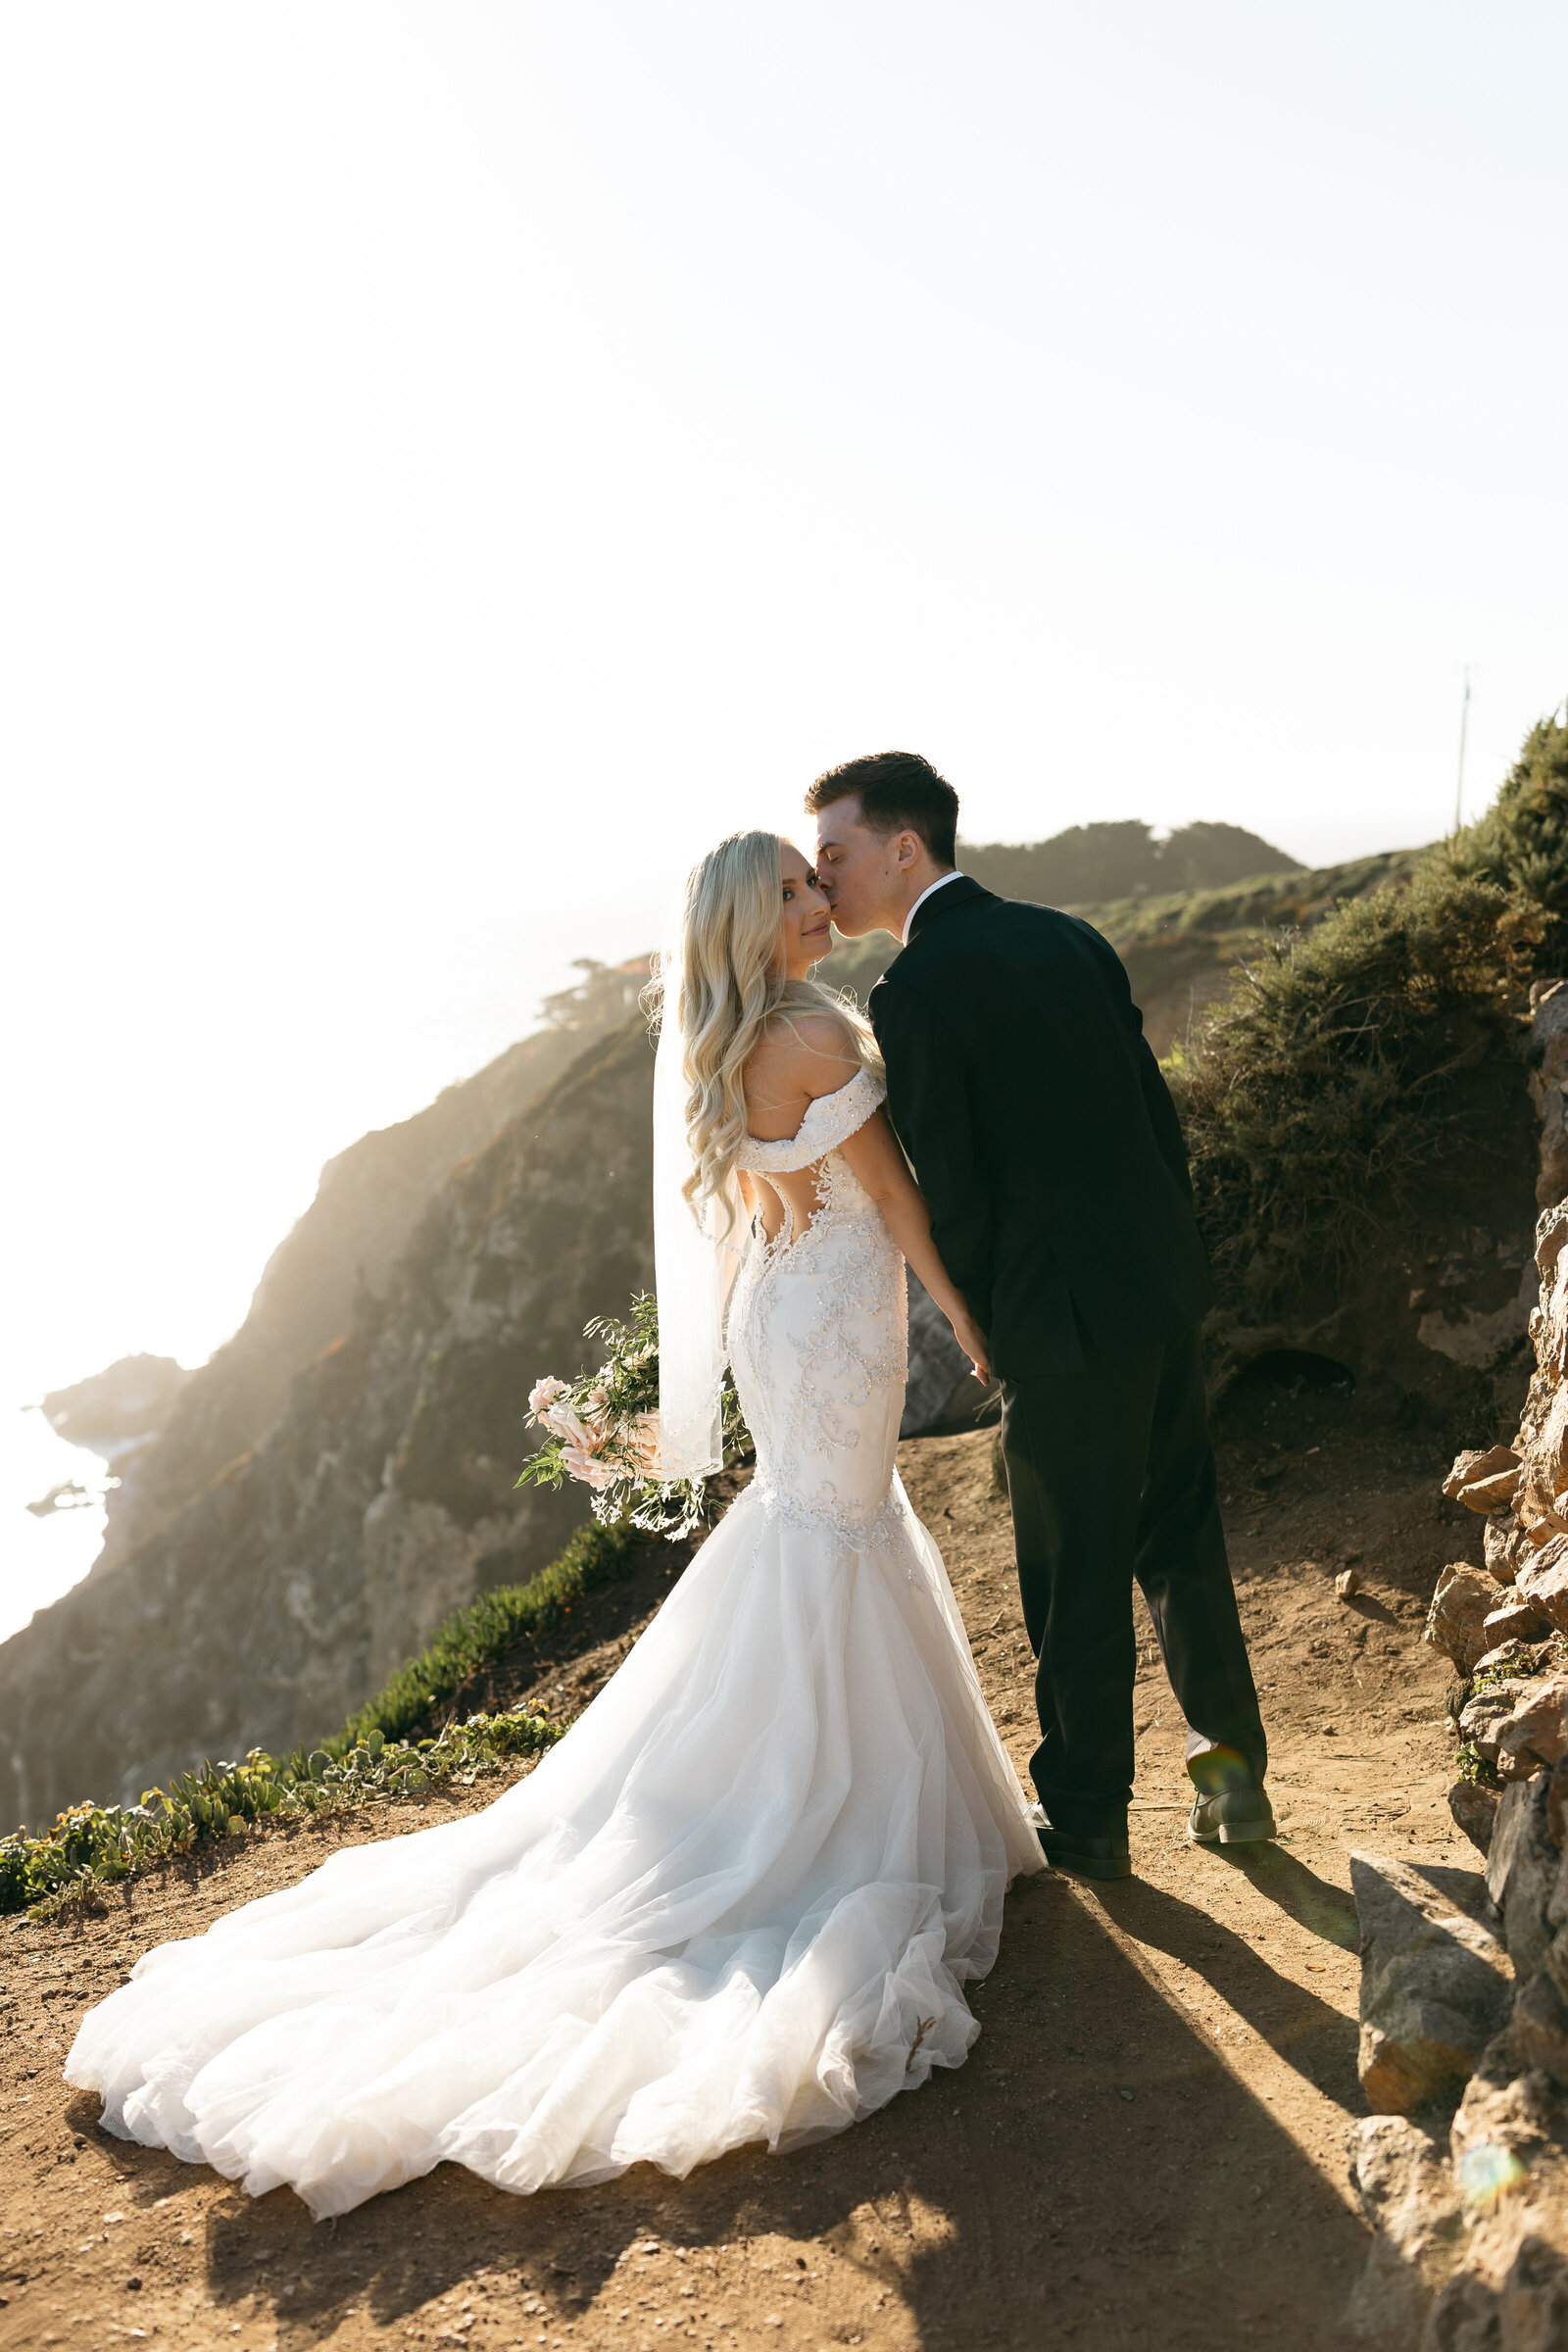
pixel 799 1055
pixel 812 1053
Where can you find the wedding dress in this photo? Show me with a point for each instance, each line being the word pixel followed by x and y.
pixel 737 1902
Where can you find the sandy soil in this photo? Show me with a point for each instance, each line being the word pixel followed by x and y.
pixel 1145 2147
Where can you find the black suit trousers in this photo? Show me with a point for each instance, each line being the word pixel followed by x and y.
pixel 1111 1476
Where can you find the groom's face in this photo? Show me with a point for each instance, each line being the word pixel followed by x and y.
pixel 860 871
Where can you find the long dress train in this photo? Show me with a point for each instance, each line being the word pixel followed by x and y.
pixel 737 1902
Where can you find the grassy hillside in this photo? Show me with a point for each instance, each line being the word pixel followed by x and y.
pixel 1179 946
pixel 1339 1075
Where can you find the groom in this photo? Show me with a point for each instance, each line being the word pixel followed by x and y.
pixel 1042 1133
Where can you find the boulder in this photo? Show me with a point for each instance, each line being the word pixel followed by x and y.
pixel 1411 2202
pixel 1480 1716
pixel 1474 1807
pixel 1536 1732
pixel 1541 1582
pixel 1550 1323
pixel 1537 2032
pixel 1526 2311
pixel 1501 1544
pixel 1545 1467
pixel 1436 1985
pixel 1502 2111
pixel 1484 1480
pixel 1522 1869
pixel 1456 1621
pixel 1515 1621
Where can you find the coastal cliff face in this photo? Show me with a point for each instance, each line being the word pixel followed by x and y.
pixel 288 1588
pixel 367 1203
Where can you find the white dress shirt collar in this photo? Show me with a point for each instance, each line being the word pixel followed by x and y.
pixel 938 884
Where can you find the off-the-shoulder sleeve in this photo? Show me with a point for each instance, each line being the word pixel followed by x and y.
pixel 830 1120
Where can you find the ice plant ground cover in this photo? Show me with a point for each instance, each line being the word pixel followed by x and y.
pixel 93 1845
pixel 603 1429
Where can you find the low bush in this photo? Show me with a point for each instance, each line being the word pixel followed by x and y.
pixel 1327 1083
pixel 90 1845
pixel 594 1558
pixel 1330 1081
pixel 1521 843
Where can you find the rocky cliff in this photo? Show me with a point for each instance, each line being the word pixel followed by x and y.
pixel 1462 2167
pixel 367 1203
pixel 318 1559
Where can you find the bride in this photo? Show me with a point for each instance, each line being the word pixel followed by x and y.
pixel 740 1900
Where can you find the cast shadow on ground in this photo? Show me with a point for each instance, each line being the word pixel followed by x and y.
pixel 1316 1904
pixel 1307 2031
pixel 1093 2173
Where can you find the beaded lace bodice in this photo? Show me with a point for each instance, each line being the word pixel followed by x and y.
pixel 818 1334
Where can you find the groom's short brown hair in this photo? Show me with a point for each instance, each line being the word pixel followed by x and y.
pixel 899 792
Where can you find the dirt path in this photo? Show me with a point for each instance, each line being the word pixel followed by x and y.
pixel 1145 2147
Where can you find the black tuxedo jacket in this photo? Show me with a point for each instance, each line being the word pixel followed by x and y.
pixel 1040 1129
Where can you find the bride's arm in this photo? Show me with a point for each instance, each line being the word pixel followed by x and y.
pixel 882 1170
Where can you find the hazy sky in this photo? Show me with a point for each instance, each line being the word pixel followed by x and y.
pixel 456 460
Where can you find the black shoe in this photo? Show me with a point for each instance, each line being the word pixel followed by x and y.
pixel 1230 1817
pixel 1087 1857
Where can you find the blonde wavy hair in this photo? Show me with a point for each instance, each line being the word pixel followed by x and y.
pixel 725 979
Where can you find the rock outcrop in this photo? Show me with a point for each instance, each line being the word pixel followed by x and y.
pixel 117 1414
pixel 1470 2200
pixel 367 1203
pixel 1436 1983
pixel 316 1560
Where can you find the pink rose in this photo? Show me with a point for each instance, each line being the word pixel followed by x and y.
pixel 640 1439
pixel 583 1466
pixel 563 1422
pixel 541 1394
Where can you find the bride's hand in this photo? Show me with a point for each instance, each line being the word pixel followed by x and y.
pixel 972 1339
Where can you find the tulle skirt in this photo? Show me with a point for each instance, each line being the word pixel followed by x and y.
pixel 738 1902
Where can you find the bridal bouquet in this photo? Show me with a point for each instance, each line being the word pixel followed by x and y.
pixel 603 1429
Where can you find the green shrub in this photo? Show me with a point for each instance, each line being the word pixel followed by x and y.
pixel 1521 843
pixel 95 1845
pixel 1329 1079
pixel 594 1558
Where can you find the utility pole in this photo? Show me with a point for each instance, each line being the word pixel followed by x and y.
pixel 1464 729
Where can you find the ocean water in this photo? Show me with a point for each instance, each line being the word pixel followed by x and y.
pixel 42 1558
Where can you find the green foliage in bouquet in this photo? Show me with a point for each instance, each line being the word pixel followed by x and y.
pixel 90 1845
pixel 603 1429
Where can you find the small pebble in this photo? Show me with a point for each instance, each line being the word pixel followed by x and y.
pixel 1347 1582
